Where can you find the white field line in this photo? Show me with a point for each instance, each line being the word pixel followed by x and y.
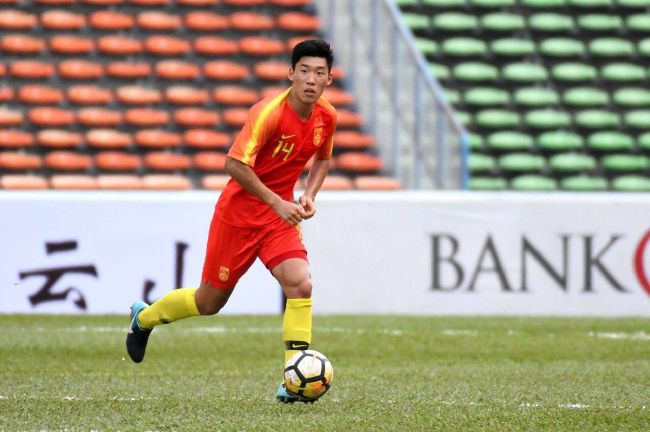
pixel 621 335
pixel 579 406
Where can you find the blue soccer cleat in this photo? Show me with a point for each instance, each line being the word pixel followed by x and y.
pixel 136 339
pixel 282 395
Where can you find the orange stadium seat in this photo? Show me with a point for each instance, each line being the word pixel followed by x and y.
pixel 177 70
pixel 10 138
pixel 261 46
pixel 166 182
pixel 235 95
pixel 3 69
pixel 30 69
pixel 51 116
pixel 290 3
pixel 251 21
pixel 215 181
pixel 210 161
pixel 10 117
pixel 158 21
pixel 22 44
pixel 206 21
pixel 272 70
pixel 137 95
pixel 89 95
pixel 336 182
pixel 119 45
pixel 61 160
pixel 164 45
pixel 99 117
pixel 37 94
pixel 235 116
pixel 245 3
pixel 56 19
pixel 347 118
pixel 103 2
pixel 76 69
pixel 111 20
pixel 376 183
pixel 128 70
pixel 119 182
pixel 6 94
pixel 16 20
pixel 186 95
pixel 270 91
pixel 70 44
pixel 338 97
pixel 23 182
pixel 57 138
pixel 108 139
pixel 353 140
pixel 73 182
pixel 146 117
pixel 359 162
pixel 225 70
pixel 55 2
pixel 164 161
pixel 150 2
pixel 196 117
pixel 215 46
pixel 298 22
pixel 157 138
pixel 118 161
pixel 17 161
pixel 197 3
pixel 206 139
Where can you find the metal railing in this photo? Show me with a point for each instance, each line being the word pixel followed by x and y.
pixel 417 134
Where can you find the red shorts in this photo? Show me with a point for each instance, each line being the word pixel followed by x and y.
pixel 231 250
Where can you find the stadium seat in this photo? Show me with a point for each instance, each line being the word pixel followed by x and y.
pixel 497 119
pixel 166 182
pixel 117 161
pixel 574 73
pixel 108 139
pixel 6 94
pixel 30 69
pixel 638 119
pixel 96 117
pixel 337 182
pixel 353 140
pixel 89 95
pixel 56 19
pixel 599 22
pixel 524 73
pixel 158 21
pixel 73 182
pixel 376 183
pixel 481 163
pixel 136 95
pixel 571 163
pixel 51 117
pixel 209 161
pixel 61 160
pixel 584 184
pixel 58 138
pixel 298 22
pixel 119 182
pixel 559 141
pixel 487 184
pixel 610 141
pixel 550 22
pixel 40 95
pixel 196 117
pixel 206 139
pixel 512 47
pixel 165 161
pixel 609 47
pixel 464 47
pixel 225 70
pixel 235 95
pixel 562 47
pixel 19 161
pixel 215 181
pixel 632 97
pixel 510 141
pixel 358 162
pixel 486 96
pixel 625 163
pixel 13 139
pixel 475 72
pixel 157 139
pixel 71 45
pixel 623 73
pixel 119 45
pixel 186 95
pixel 597 119
pixel 108 20
pixel 536 97
pixel 10 117
pixel 23 182
pixel 251 22
pixel 206 21
pixel 165 45
pixel 547 119
pixel 215 46
pixel 531 183
pixel 631 183
pixel 80 69
pixel 177 70
pixel 22 44
pixel 521 163
pixel 585 97
pixel 146 117
pixel 455 22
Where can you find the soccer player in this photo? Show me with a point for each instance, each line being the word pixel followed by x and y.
pixel 256 215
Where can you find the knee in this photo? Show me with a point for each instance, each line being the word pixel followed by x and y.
pixel 210 300
pixel 299 288
pixel 208 307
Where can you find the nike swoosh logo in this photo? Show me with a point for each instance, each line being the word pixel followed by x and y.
pixel 288 136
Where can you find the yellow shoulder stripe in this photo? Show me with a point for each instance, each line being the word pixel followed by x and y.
pixel 253 142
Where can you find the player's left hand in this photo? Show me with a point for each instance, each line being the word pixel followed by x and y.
pixel 308 206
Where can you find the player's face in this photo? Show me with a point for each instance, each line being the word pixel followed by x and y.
pixel 309 78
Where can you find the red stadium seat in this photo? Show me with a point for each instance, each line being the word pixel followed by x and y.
pixel 359 162
pixel 206 139
pixel 108 139
pixel 57 138
pixel 353 140
pixel 73 182
pixel 270 91
pixel 250 21
pixel 61 160
pixel 215 181
pixel 186 95
pixel 3 69
pixel 80 69
pixel 197 3
pixel 99 117
pixel 146 117
pixel 157 138
pixel 16 161
pixel 89 95
pixel 210 161
pixel 164 161
pixel 196 117
pixel 346 118
pixel 377 183
pixel 119 45
pixel 261 46
pixel 10 117
pixel 225 70
pixel 298 22
pixel 296 40
pixel 103 2
pixel 115 161
pixel 215 46
pixel 272 70
pixel 164 45
pixel 62 20
pixel 166 182
pixel 6 94
pixel 111 20
pixel 291 3
pixel 14 139
pixel 235 116
pixel 206 21
pixel 158 21
pixel 338 97
pixel 245 3
pixel 119 182
pixel 150 2
pixel 128 70
pixel 40 95
pixel 16 20
pixel 235 95
pixel 336 182
pixel 136 95
pixel 23 182
pixel 22 44
pixel 177 70
pixel 29 69
pixel 55 2
pixel 51 117
pixel 69 44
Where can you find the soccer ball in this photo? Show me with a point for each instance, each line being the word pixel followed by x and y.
pixel 308 375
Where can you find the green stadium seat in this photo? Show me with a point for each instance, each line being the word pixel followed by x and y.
pixel 639 23
pixel 481 163
pixel 644 141
pixel 551 22
pixel 610 141
pixel 407 3
pixel 475 141
pixel 547 119
pixel 464 47
pixel 585 97
pixel 599 22
pixel 632 97
pixel 525 73
pixel 631 183
pixel 475 72
pixel 492 4
pixel 634 4
pixel 571 163
pixel 441 72
pixel 625 163
pixel 590 4
pixel 560 141
pixel 597 119
pixel 465 118
pixel 455 22
pixel 444 4
pixel 416 22
pixel 497 119
pixel 503 22
pixel 453 96
pixel 531 182
pixel 584 184
pixel 562 47
pixel 536 97
pixel 610 47
pixel 544 4
pixel 623 73
pixel 427 47
pixel 512 47
pixel 574 72
pixel 487 184
pixel 638 119
pixel 517 163
pixel 486 96
pixel 509 141
pixel 644 48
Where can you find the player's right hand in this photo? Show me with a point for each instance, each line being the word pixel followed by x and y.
pixel 289 212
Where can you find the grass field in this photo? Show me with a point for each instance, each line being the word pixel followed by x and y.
pixel 391 373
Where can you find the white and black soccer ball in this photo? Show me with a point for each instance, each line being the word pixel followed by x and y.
pixel 308 375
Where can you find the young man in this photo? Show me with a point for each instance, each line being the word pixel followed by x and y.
pixel 256 215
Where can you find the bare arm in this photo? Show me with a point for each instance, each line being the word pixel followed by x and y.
pixel 315 179
pixel 247 179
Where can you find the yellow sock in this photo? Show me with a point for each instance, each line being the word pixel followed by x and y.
pixel 296 326
pixel 173 306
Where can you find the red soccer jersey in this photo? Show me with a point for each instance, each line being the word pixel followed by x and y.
pixel 277 144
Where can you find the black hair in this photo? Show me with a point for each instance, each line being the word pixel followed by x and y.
pixel 312 48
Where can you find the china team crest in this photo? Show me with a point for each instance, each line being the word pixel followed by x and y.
pixel 318 133
pixel 224 273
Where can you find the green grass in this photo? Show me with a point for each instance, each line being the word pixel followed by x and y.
pixel 391 373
